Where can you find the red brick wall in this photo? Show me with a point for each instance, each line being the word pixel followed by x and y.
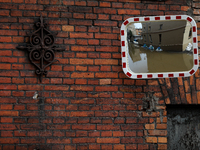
pixel 86 101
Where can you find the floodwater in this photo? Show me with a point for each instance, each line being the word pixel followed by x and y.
pixel 141 60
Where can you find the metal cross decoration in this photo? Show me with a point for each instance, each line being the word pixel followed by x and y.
pixel 41 48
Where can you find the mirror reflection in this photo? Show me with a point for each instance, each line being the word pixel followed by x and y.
pixel 160 46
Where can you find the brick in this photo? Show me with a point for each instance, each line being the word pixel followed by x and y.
pixel 106 114
pixel 30 1
pixel 29 87
pixel 106 133
pixel 59 140
pixel 105 42
pixel 44 2
pixel 105 36
pixel 119 147
pixel 5 1
pixel 106 75
pixel 82 114
pixel 81 68
pixel 152 12
pixel 94 146
pixel 92 3
pixel 151 139
pixel 32 140
pixel 8 87
pixel 94 133
pixel 162 139
pixel 57 22
pixel 105 23
pixel 106 147
pixel 116 17
pixel 132 127
pixel 9 140
pixel 54 87
pixel 162 146
pixel 128 114
pixel 93 42
pixel 105 81
pixel 7 126
pixel 80 22
pixel 82 48
pixel 28 113
pixel 90 16
pixel 132 140
pixel 57 113
pixel 149 126
pixel 81 88
pixel 106 62
pixel 82 75
pixel 198 97
pixel 81 35
pixel 108 127
pixel 67 28
pixel 105 68
pixel 71 147
pixel 6 120
pixel 188 98
pixel 128 12
pixel 5 66
pixel 80 3
pixel 93 29
pixel 17 66
pixel 175 7
pixel 58 127
pixel 117 5
pixel 106 88
pixel 157 132
pixel 105 4
pixel 83 140
pixel 9 147
pixel 81 61
pixel 6 107
pixel 68 2
pixel 80 29
pixel 81 133
pixel 105 10
pixel 161 126
pixel 80 9
pixel 108 140
pixel 84 127
pixel 30 7
pixel 5 52
pixel 118 133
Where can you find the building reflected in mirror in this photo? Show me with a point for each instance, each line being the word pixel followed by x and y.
pixel 160 46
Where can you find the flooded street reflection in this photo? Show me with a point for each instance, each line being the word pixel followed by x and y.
pixel 143 60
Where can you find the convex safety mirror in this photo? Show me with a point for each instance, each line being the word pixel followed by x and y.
pixel 159 47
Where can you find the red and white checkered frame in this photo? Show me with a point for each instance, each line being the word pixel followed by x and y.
pixel 124 48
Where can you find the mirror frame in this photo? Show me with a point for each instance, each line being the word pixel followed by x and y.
pixel 124 48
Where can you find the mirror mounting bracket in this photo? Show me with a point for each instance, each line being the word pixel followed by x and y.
pixel 41 48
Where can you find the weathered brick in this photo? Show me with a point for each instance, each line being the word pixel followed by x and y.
pixel 151 139
pixel 81 61
pixel 108 140
pixel 80 22
pixel 128 12
pixel 105 36
pixel 105 10
pixel 9 140
pixel 59 140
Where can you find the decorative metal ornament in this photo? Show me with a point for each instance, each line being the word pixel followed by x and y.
pixel 41 48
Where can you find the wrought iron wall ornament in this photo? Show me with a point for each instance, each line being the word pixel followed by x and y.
pixel 41 48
